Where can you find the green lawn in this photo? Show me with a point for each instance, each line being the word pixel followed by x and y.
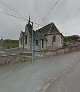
pixel 10 44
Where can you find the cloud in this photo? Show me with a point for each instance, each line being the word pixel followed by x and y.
pixel 65 15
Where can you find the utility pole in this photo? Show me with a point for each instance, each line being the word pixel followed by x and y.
pixel 32 44
pixel 23 41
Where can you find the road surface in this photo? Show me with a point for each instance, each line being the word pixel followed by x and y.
pixel 31 77
pixel 69 81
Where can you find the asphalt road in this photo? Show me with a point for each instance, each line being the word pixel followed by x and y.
pixel 31 77
pixel 69 81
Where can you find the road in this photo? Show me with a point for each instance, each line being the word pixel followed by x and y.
pixel 69 81
pixel 31 77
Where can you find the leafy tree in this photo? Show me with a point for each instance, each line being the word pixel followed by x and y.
pixel 71 38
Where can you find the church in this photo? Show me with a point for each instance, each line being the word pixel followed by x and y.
pixel 45 38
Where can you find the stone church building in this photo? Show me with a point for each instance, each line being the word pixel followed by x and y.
pixel 45 38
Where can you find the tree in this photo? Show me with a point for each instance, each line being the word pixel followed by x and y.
pixel 71 38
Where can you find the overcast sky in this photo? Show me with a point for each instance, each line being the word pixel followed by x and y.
pixel 66 16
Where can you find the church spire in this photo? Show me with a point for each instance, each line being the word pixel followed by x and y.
pixel 29 19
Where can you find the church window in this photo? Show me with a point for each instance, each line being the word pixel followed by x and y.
pixel 21 41
pixel 42 43
pixel 36 42
pixel 25 39
pixel 53 38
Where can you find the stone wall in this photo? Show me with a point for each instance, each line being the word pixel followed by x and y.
pixel 59 51
pixel 25 56
pixel 56 44
pixel 63 50
pixel 15 58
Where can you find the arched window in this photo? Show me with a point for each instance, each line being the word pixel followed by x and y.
pixel 54 38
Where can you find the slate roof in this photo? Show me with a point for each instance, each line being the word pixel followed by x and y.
pixel 38 36
pixel 42 32
pixel 50 28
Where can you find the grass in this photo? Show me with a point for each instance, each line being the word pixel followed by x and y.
pixel 10 44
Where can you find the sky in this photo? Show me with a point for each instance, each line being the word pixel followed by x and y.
pixel 65 15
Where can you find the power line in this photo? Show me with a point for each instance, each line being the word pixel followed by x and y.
pixel 20 18
pixel 9 8
pixel 6 5
pixel 12 15
pixel 50 10
pixel 14 12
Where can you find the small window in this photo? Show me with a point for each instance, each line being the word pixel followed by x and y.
pixel 36 42
pixel 53 38
pixel 25 39
pixel 42 43
pixel 21 41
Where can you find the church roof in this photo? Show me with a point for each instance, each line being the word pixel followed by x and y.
pixel 38 36
pixel 50 28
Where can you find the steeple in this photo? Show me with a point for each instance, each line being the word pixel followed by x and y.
pixel 29 19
